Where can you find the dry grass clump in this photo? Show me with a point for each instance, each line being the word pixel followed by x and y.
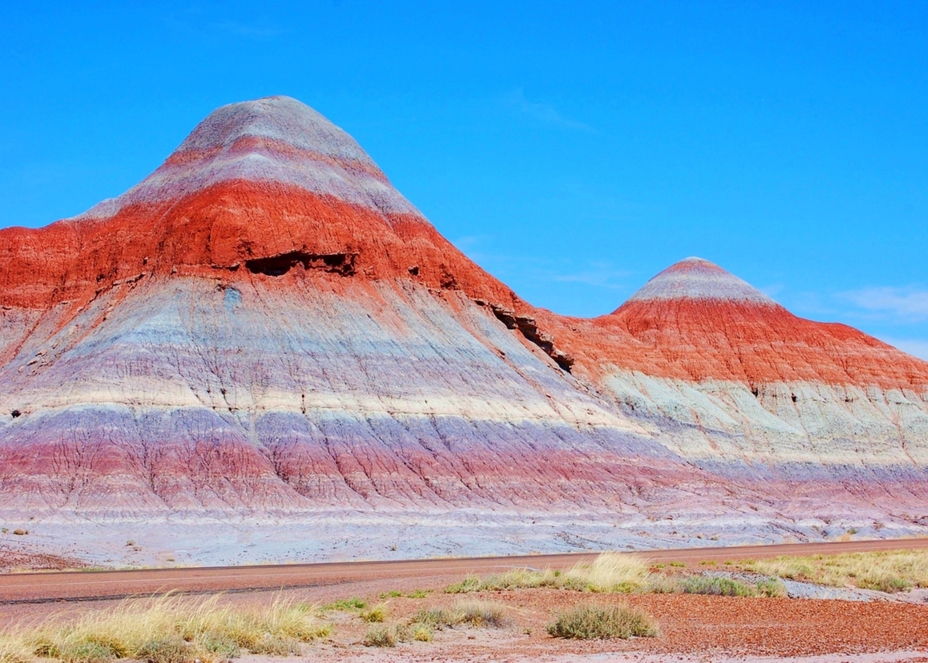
pixel 421 632
pixel 594 622
pixel 383 635
pixel 388 635
pixel 168 630
pixel 609 572
pixel 884 571
pixel 473 613
pixel 376 614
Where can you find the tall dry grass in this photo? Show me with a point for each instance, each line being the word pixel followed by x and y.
pixel 609 572
pixel 167 630
pixel 14 651
pixel 885 571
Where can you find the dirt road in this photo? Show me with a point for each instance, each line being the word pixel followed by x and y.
pixel 22 588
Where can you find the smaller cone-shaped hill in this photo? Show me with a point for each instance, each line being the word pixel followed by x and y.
pixel 695 320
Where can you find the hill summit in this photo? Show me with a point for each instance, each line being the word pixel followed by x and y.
pixel 695 278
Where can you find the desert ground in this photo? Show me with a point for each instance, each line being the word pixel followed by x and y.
pixel 808 605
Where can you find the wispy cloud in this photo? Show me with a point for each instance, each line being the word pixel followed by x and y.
pixel 543 112
pixel 902 304
pixel 535 269
pixel 471 242
pixel 599 275
pixel 772 290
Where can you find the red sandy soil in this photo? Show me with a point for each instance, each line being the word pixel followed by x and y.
pixel 689 625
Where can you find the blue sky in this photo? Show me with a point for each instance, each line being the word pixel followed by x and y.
pixel 572 149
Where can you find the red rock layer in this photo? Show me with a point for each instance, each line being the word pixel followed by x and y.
pixel 696 322
pixel 701 340
pixel 230 227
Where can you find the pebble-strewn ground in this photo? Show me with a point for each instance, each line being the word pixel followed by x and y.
pixel 692 628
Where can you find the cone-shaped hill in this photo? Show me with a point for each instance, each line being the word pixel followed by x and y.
pixel 264 327
pixel 261 186
pixel 698 321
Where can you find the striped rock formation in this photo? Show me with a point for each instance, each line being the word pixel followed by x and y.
pixel 266 326
pixel 749 391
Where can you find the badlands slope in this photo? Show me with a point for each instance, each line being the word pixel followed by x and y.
pixel 264 352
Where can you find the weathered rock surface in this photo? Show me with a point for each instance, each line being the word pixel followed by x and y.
pixel 266 326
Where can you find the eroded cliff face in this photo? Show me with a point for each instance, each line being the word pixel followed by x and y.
pixel 266 325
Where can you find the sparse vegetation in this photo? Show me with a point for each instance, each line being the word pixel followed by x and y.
pixel 474 613
pixel 345 605
pixel 469 584
pixel 593 622
pixel 167 630
pixel 884 571
pixel 714 585
pixel 609 572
